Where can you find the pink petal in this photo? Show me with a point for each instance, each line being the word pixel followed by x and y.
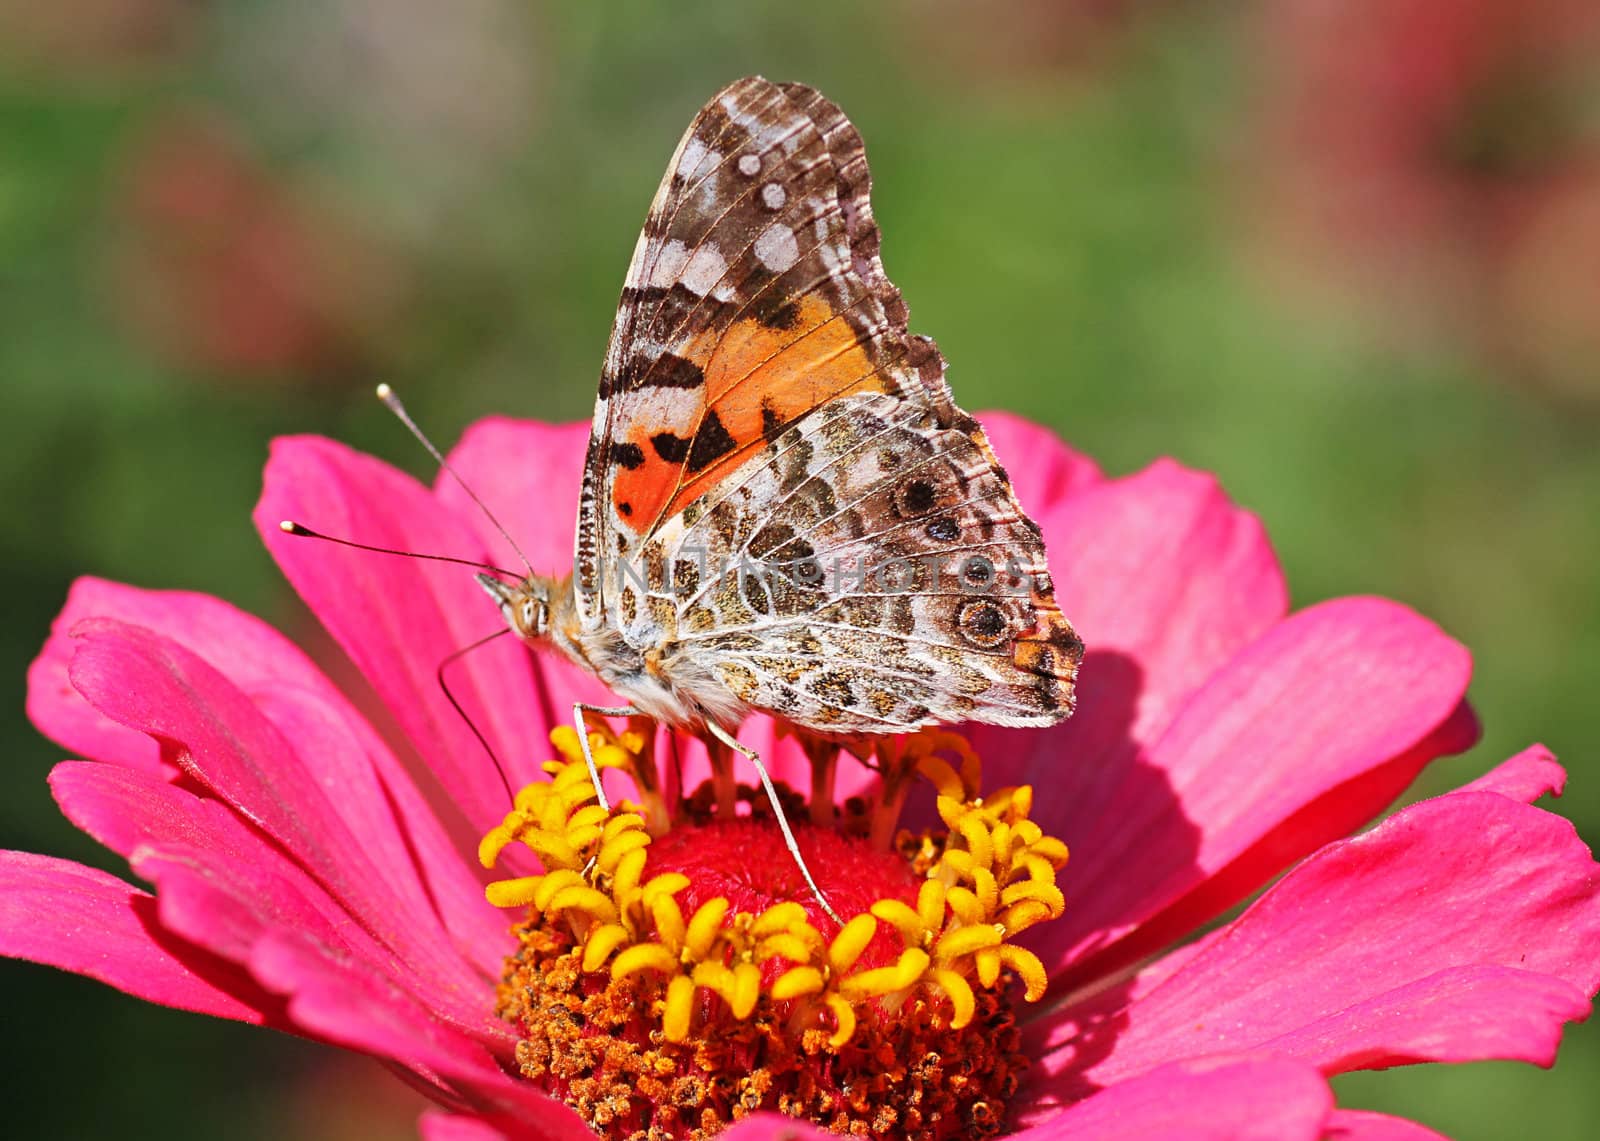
pixel 129 811
pixel 59 711
pixel 528 474
pixel 1226 1099
pixel 342 755
pixel 1163 569
pixel 399 619
pixel 1043 470
pixel 350 1007
pixel 1461 928
pixel 435 1125
pixel 357 1012
pixel 330 996
pixel 1359 1125
pixel 82 920
pixel 137 814
pixel 778 750
pixel 1462 1014
pixel 525 1114
pixel 1527 776
pixel 415 849
pixel 1341 811
pixel 1305 735
pixel 157 686
pixel 354 1011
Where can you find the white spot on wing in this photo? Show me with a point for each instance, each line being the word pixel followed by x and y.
pixel 704 270
pixel 749 165
pixel 777 248
pixel 697 160
pixel 693 151
pixel 829 248
pixel 738 113
pixel 773 197
pixel 667 412
pixel 669 265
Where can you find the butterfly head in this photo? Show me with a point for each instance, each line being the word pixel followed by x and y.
pixel 525 604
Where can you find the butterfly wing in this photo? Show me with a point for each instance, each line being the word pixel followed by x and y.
pixel 867 571
pixel 760 383
pixel 754 295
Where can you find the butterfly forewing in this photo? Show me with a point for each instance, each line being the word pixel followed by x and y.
pixel 743 308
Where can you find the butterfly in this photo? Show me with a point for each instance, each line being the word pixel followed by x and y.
pixel 782 509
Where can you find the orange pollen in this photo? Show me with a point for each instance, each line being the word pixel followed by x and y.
pixel 673 976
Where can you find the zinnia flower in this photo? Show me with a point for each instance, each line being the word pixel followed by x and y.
pixel 303 878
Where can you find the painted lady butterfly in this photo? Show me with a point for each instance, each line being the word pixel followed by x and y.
pixel 783 510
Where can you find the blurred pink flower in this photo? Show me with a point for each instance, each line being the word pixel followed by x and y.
pixel 302 880
pixel 222 264
pixel 1420 154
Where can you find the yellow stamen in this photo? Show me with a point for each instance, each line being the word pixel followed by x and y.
pixel 962 1001
pixel 513 893
pixel 852 939
pixel 1028 966
pixel 845 1015
pixel 778 917
pixel 704 926
pixel 796 982
pixel 680 1006
pixel 790 945
pixel 643 957
pixel 602 944
pixel 668 915
pixel 964 941
pixel 907 970
pixel 911 926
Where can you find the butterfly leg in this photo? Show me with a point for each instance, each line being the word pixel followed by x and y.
pixel 579 708
pixel 754 758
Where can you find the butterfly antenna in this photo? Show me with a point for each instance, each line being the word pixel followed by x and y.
pixel 476 732
pixel 392 403
pixel 290 527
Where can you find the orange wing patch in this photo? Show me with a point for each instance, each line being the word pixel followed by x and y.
pixel 758 376
pixel 1052 652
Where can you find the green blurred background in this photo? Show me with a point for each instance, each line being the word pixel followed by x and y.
pixel 1345 254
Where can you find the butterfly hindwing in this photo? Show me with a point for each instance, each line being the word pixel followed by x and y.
pixel 866 571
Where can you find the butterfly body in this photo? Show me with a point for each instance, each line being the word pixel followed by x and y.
pixel 542 611
pixel 783 510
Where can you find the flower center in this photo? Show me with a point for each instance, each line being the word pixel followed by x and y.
pixel 674 974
